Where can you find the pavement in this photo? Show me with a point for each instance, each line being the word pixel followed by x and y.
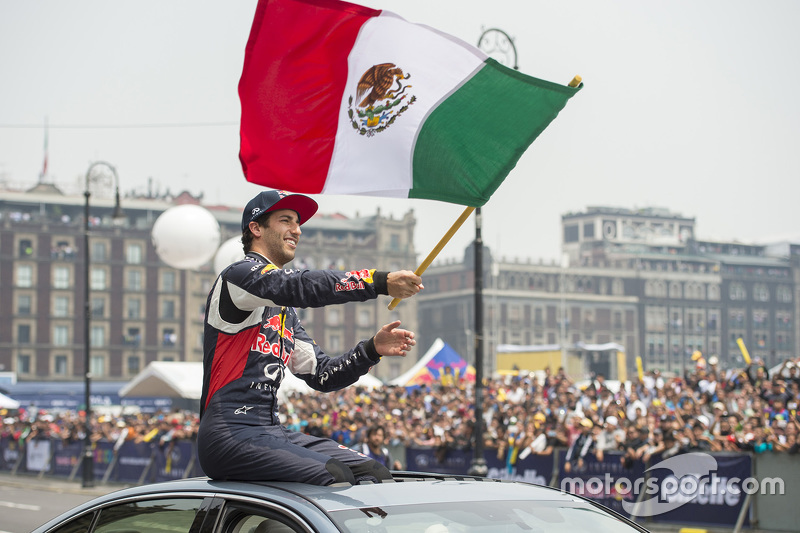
pixel 55 484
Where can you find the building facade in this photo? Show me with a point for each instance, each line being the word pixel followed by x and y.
pixel 141 309
pixel 637 278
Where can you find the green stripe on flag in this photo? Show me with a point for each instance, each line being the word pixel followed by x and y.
pixel 472 140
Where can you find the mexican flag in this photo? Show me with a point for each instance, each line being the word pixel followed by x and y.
pixel 338 98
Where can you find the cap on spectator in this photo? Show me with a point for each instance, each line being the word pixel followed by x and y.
pixel 703 419
pixel 587 423
pixel 719 405
pixel 539 417
pixel 612 420
pixel 713 360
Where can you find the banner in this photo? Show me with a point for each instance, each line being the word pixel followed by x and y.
pixel 714 498
pixel 172 460
pixel 37 455
pixel 132 460
pixel 66 457
pixel 607 482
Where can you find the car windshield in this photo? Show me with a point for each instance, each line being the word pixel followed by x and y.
pixel 478 517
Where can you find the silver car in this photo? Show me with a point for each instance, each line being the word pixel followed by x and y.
pixel 411 503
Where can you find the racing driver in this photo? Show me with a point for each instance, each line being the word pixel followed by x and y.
pixel 253 335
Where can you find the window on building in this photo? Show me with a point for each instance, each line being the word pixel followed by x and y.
pixel 133 254
pixel 364 318
pixel 98 336
pixel 61 277
pixel 25 248
pixel 571 233
pixel 98 279
pixel 23 363
pixel 169 281
pixel 168 309
pixel 98 366
pixel 783 294
pixel 760 292
pixel 133 337
pixel 134 280
pixel 134 308
pixel 588 230
pixel 98 307
pixel 24 304
pixel 99 251
pixel 737 291
pixel 394 242
pixel 61 306
pixel 23 333
pixel 60 335
pixel 24 276
pixel 332 316
pixel 169 337
pixel 134 364
pixel 60 363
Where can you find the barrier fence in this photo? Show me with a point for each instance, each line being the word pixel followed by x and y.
pixel 739 491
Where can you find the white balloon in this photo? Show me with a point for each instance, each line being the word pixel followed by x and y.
pixel 186 236
pixel 229 252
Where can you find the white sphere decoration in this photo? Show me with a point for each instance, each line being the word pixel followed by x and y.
pixel 229 252
pixel 186 236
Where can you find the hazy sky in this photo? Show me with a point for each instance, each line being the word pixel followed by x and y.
pixel 687 105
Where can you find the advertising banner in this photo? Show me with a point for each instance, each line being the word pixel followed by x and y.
pixel 172 460
pixel 66 457
pixel 37 455
pixel 607 482
pixel 132 460
pixel 701 488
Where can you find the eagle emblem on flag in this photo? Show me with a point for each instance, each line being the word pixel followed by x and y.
pixel 381 95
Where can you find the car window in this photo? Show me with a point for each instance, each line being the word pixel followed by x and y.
pixel 261 524
pixel 168 515
pixel 79 525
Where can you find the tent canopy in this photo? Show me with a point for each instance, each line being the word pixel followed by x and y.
pixel 173 379
pixel 185 380
pixel 8 403
pixel 431 366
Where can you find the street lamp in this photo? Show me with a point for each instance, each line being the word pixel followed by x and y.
pixel 88 458
pixel 499 45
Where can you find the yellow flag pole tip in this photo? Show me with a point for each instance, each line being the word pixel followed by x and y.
pixel 575 81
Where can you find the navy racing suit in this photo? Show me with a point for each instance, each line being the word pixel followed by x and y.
pixel 252 336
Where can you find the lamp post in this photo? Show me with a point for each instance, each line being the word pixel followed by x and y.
pixel 500 45
pixel 88 458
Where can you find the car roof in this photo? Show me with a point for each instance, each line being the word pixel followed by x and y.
pixel 419 489
pixel 405 489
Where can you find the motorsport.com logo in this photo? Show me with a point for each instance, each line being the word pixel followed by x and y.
pixel 686 478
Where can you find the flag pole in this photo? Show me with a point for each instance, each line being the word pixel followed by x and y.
pixel 438 248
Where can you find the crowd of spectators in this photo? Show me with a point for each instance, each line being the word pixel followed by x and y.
pixel 707 409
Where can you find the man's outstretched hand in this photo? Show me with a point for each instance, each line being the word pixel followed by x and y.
pixel 391 340
pixel 403 284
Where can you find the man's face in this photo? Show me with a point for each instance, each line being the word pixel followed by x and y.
pixel 376 439
pixel 280 236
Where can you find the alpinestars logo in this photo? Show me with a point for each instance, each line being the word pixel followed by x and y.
pixel 242 410
pixel 381 91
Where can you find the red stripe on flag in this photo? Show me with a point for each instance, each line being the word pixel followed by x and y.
pixel 294 76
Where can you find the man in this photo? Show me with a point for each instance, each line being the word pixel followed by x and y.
pixel 253 334
pixel 374 447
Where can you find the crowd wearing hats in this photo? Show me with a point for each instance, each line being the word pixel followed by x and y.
pixel 707 409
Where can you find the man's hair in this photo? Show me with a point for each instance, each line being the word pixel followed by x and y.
pixel 374 429
pixel 247 235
